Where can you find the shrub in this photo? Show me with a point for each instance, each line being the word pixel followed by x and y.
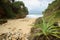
pixel 9 12
pixel 38 20
pixel 20 9
pixel 47 30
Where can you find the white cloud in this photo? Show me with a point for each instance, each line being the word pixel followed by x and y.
pixel 32 4
pixel 36 4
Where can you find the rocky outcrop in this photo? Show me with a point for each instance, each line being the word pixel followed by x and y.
pixel 13 36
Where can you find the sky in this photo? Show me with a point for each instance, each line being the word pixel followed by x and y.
pixel 36 6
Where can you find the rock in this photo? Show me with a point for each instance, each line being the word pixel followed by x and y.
pixel 2 21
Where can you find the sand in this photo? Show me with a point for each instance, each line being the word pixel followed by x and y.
pixel 18 25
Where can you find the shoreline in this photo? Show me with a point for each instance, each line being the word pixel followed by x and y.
pixel 34 16
pixel 16 24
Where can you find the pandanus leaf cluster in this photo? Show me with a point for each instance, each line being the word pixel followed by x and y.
pixel 47 28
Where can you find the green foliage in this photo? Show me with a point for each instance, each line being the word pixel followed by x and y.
pixel 4 1
pixel 48 29
pixel 6 6
pixel 21 11
pixel 54 7
pixel 18 4
pixel 57 14
pixel 8 11
pixel 11 10
pixel 14 9
pixel 38 21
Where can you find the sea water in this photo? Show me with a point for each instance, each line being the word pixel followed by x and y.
pixel 34 15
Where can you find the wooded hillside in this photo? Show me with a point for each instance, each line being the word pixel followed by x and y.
pixel 53 8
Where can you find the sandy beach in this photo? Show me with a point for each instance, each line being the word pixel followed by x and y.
pixel 18 25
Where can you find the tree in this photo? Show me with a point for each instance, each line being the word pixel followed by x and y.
pixel 13 0
pixel 52 8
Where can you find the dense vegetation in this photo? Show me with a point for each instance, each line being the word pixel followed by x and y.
pixel 53 8
pixel 46 27
pixel 12 9
pixel 9 9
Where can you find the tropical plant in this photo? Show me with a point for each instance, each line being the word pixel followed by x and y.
pixel 53 7
pixel 20 9
pixel 47 30
pixel 12 10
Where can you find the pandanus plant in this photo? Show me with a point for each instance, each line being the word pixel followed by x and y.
pixel 47 30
